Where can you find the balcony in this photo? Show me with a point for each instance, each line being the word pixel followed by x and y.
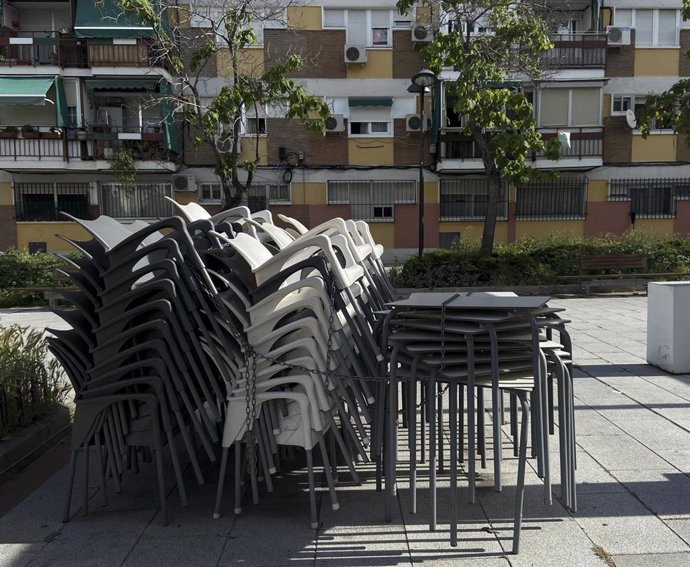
pixel 576 51
pixel 80 149
pixel 66 50
pixel 459 152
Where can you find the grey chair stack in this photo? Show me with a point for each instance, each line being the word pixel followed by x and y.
pixel 137 353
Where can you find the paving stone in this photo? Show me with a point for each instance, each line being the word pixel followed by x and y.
pixel 629 454
pixel 666 493
pixel 177 550
pixel 655 559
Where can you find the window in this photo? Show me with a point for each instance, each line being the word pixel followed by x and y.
pixel 372 201
pixel 622 103
pixel 570 107
pixel 256 126
pixel 144 201
pixel 657 28
pixel 211 192
pixel 260 196
pixel 372 121
pixel 371 28
pixel 72 116
pixel 466 198
pixel 560 199
pixel 650 198
pixel 45 201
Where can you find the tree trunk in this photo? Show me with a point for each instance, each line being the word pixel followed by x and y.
pixel 494 190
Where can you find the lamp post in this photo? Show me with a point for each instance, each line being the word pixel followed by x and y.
pixel 420 82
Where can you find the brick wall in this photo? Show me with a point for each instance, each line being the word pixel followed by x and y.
pixel 406 148
pixel 683 151
pixel 406 59
pixel 203 155
pixel 684 64
pixel 620 61
pixel 617 140
pixel 191 40
pixel 321 50
pixel 8 227
pixel 330 149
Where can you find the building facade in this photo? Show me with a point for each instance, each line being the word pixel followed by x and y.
pixel 79 84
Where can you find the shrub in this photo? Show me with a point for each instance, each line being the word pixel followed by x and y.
pixel 30 383
pixel 533 261
pixel 18 268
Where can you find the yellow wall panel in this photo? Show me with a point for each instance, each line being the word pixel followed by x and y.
pixel 430 192
pixel 304 17
pixel 46 231
pixel 249 61
pixel 607 106
pixel 660 227
pixel 308 193
pixel 379 65
pixel 656 62
pixel 598 190
pixel 546 228
pixel 383 233
pixel 472 231
pixel 186 197
pixel 249 149
pixel 5 193
pixel 657 147
pixel 370 151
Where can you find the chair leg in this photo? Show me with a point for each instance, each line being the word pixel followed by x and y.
pixel 221 481
pixel 161 484
pixel 238 477
pixel 522 462
pixel 85 506
pixel 312 490
pixel 453 425
pixel 70 486
pixel 101 470
pixel 412 433
pixel 327 470
pixel 432 449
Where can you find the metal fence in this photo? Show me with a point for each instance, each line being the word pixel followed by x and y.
pixel 558 199
pixel 372 201
pixel 45 201
pixel 580 50
pixel 466 199
pixel 145 200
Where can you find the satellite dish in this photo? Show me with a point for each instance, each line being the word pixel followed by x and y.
pixel 630 118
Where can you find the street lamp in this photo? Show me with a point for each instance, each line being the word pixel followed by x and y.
pixel 421 81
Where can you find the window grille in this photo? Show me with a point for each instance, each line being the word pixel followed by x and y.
pixel 45 201
pixel 372 201
pixel 557 199
pixel 145 200
pixel 466 198
pixel 651 198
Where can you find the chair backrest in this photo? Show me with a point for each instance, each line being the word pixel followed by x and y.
pixel 191 211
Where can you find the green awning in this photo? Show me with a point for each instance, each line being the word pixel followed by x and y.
pixel 120 85
pixel 106 19
pixel 25 90
pixel 378 101
pixel 171 134
pixel 62 118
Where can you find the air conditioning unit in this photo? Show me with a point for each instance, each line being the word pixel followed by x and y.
pixel 224 145
pixel 335 123
pixel 618 35
pixel 355 54
pixel 182 182
pixel 413 122
pixel 422 33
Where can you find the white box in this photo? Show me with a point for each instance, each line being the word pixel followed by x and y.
pixel 668 326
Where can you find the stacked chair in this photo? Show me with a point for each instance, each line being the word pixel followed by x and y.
pixel 200 334
pixel 191 332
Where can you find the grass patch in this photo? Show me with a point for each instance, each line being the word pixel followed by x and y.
pixel 604 555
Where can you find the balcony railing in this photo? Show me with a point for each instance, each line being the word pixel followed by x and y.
pixel 65 50
pixel 584 143
pixel 579 50
pixel 97 142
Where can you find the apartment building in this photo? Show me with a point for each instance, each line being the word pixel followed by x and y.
pixel 76 86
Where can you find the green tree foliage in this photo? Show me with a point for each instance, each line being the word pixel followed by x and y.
pixel 249 87
pixel 670 108
pixel 491 68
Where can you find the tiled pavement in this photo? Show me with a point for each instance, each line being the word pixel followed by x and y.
pixel 633 435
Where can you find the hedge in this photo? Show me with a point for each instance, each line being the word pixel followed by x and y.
pixel 533 261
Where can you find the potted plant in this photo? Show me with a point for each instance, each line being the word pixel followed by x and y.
pixel 29 131
pixel 8 132
pixel 53 134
